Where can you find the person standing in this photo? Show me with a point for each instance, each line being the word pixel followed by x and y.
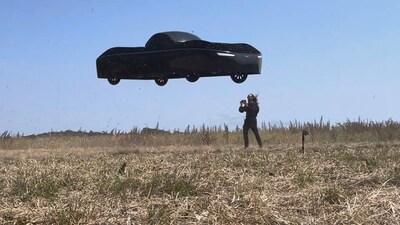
pixel 251 108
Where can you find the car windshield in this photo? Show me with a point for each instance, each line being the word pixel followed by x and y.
pixel 181 36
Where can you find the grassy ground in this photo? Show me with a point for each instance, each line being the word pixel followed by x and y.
pixel 353 183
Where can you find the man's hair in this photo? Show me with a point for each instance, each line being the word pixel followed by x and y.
pixel 252 98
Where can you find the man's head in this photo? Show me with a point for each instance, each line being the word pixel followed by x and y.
pixel 252 98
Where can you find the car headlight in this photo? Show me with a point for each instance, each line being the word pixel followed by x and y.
pixel 225 54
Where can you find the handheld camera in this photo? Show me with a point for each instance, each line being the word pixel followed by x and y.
pixel 243 103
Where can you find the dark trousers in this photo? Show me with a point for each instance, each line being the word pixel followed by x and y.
pixel 250 124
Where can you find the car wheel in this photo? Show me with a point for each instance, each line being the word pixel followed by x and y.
pixel 192 78
pixel 239 78
pixel 161 81
pixel 114 80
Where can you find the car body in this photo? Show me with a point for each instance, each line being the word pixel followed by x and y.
pixel 174 54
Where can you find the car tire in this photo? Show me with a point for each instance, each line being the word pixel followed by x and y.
pixel 192 78
pixel 239 78
pixel 161 81
pixel 113 80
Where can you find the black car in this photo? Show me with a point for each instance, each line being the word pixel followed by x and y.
pixel 174 54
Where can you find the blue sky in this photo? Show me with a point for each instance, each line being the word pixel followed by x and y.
pixel 336 59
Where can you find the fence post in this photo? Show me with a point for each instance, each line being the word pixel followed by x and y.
pixel 303 134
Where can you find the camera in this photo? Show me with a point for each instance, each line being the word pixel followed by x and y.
pixel 243 102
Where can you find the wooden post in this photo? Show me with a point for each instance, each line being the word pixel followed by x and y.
pixel 303 134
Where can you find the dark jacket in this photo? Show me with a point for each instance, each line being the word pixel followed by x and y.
pixel 251 111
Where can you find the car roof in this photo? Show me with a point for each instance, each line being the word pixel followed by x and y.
pixel 164 39
pixel 179 36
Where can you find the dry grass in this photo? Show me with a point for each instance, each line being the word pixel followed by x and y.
pixel 349 183
pixel 350 174
pixel 320 133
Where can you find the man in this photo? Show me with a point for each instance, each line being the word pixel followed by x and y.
pixel 251 109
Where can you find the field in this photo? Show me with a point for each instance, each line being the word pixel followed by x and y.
pixel 349 174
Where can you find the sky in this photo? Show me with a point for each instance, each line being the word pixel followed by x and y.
pixel 336 59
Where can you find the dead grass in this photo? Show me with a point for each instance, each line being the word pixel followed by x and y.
pixel 321 132
pixel 348 183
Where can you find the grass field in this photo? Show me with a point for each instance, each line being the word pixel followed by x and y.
pixel 48 180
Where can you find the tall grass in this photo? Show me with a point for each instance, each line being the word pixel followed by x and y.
pixel 320 132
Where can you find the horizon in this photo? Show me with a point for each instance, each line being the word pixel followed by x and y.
pixel 336 60
pixel 268 124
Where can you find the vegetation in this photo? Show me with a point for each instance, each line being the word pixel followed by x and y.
pixel 320 132
pixel 349 174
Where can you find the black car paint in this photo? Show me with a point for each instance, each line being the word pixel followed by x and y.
pixel 178 55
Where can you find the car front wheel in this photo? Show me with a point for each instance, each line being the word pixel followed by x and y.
pixel 114 80
pixel 239 78
pixel 192 78
pixel 161 81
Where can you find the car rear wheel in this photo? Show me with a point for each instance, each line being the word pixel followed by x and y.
pixel 192 78
pixel 113 80
pixel 239 78
pixel 161 81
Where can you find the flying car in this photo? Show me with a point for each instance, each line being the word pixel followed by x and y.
pixel 175 54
